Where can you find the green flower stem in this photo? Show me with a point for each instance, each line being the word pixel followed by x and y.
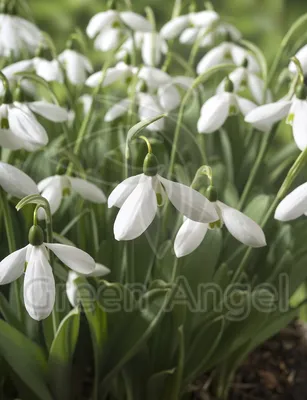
pixel 12 247
pixel 285 42
pixel 265 143
pixel 292 174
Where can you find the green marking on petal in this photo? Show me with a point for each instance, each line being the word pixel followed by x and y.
pixel 5 123
pixel 290 119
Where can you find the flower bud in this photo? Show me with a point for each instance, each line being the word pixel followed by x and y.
pixel 36 235
pixel 150 165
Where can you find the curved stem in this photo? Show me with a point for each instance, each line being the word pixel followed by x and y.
pixel 266 141
pixel 292 174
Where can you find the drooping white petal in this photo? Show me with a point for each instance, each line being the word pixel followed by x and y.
pixel 256 87
pixel 293 205
pixel 76 259
pixel 239 54
pixel 265 116
pixel 150 108
pixel 16 182
pixel 301 55
pixel 72 288
pixel 185 82
pixel 188 36
pixel 237 77
pixel 100 270
pixel 242 227
pixel 26 126
pixel 135 21
pixel 189 237
pixel 19 66
pixel 120 194
pixel 50 111
pixel 245 105
pixel 174 27
pixel 46 182
pixel 100 21
pixel 9 140
pixel 299 125
pixel 48 70
pixel 189 202
pixel 137 212
pixel 117 110
pixel 88 190
pixel 53 193
pixel 212 58
pixel 152 48
pixel 169 97
pixel 77 66
pixel 204 18
pixel 107 40
pixel 154 77
pixel 39 285
pixel 12 266
pixel 214 113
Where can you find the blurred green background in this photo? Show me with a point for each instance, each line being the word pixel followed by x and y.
pixel 262 21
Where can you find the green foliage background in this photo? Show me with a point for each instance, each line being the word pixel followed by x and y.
pixel 261 21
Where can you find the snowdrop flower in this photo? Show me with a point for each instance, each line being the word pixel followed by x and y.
pixel 244 229
pixel 76 65
pixel 137 199
pixel 15 182
pixel 217 109
pixel 55 187
pixel 39 285
pixel 71 287
pixel 121 71
pixel 189 24
pixel 109 26
pixel 224 53
pixel 264 117
pixel 19 127
pixel 17 35
pixel 301 55
pixel 11 70
pixel 241 78
pixel 50 70
pixel 294 205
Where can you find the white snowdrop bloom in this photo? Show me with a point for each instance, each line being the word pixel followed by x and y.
pixel 71 287
pixel 224 53
pixel 218 108
pixel 50 70
pixel 121 71
pixel 195 20
pixel 137 199
pixel 294 205
pixel 17 35
pixel 153 48
pixel 109 26
pixel 242 78
pixel 264 117
pixel 39 284
pixel 77 66
pixel 15 182
pixel 55 187
pixel 20 129
pixel 301 55
pixel 11 70
pixel 243 228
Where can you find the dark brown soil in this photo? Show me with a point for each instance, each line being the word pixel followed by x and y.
pixel 277 370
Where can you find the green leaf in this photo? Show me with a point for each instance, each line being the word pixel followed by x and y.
pixel 8 314
pixel 61 355
pixel 26 359
pixel 133 330
pixel 157 383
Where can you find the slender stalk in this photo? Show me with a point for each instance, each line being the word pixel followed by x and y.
pixel 12 247
pixel 292 174
pixel 266 141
